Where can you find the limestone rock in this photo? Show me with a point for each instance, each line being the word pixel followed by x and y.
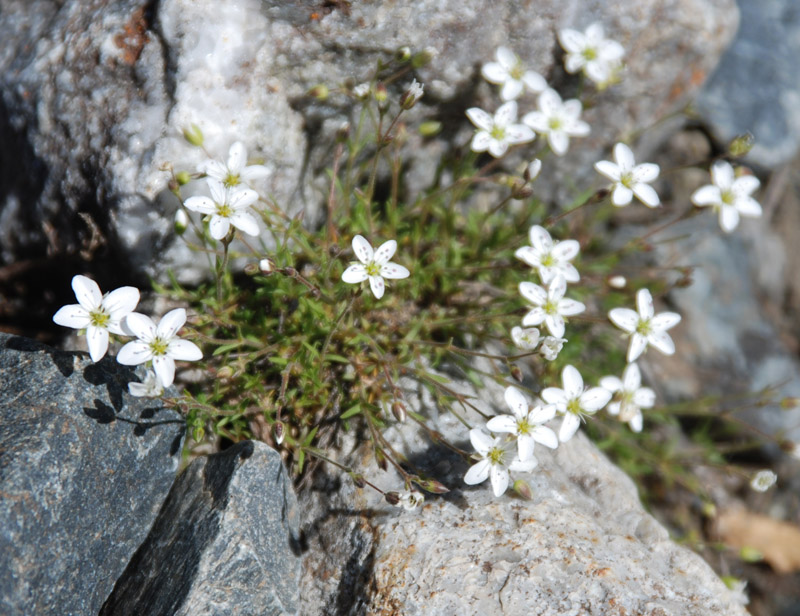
pixel 582 545
pixel 95 94
pixel 84 468
pixel 224 543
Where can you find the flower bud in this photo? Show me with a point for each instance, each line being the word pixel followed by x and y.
pixel 320 92
pixel 181 221
pixel 412 95
pixel 402 55
pixel 741 145
pixel 430 128
pixel 399 411
pixel 393 498
pixel 225 372
pixel 520 189
pixel 251 269
pixel 617 282
pixel 343 132
pixel 522 488
pixel 278 432
pixel 362 91
pixel 183 177
pixel 421 58
pixel 193 135
pixel 516 373
pixel 266 266
pixel 381 94
pixel 358 480
pixel 532 170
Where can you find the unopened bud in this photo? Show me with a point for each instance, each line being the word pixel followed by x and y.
pixel 741 145
pixel 430 128
pixel 709 510
pixel 181 222
pixel 421 58
pixel 225 372
pixel 343 132
pixel 362 91
pixel 380 459
pixel 516 373
pixel 320 92
pixel 381 93
pixel 399 411
pixel 412 95
pixel 402 55
pixel 393 498
pixel 431 485
pixel 532 170
pixel 278 432
pixel 266 266
pixel 183 177
pixel 193 135
pixel 358 480
pixel 251 269
pixel 520 189
pixel 617 282
pixel 522 488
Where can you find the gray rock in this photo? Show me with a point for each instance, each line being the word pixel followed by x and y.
pixel 84 468
pixel 225 542
pixel 582 545
pixel 755 87
pixel 95 95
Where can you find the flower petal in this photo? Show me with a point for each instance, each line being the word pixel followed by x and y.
pixel 572 381
pixel 748 207
pixel 555 324
pixel 745 185
pixel 245 222
pixel 377 285
pixel 533 293
pixel 570 307
pixel 631 377
pixel 624 157
pixel 502 423
pixel 87 292
pixel 572 41
pixel 525 447
pixel 393 271
pixel 636 347
pixel 621 196
pixel 164 367
pixel 355 273
pixel 545 436
pixel 498 148
pixel 204 205
pixel 566 250
pixel 662 342
pixel 534 81
pixel 141 326
pixel 73 315
pixel 218 227
pixel 706 195
pixel 569 426
pixel 558 141
pixel 480 118
pixel 170 323
pixel 242 198
pixel 540 238
pixel 506 114
pixel 506 57
pixel 665 320
pixel 594 399
pixel 624 318
pixel 134 353
pixel 237 158
pixel 385 252
pixel 528 255
pixel 477 473
pixel 481 141
pixel 646 194
pixel 499 478
pixel 519 133
pixel 612 383
pixel 523 466
pixel 644 304
pixel 537 121
pixel 722 175
pixel 646 172
pixel 542 413
pixel 219 194
pixel 644 397
pixel 516 402
pixel 481 441
pixel 534 317
pixel 511 89
pixel 97 341
pixel 728 218
pixel 555 396
pixel 494 72
pixel 557 288
pixel 121 301
pixel 184 350
pixel 254 172
pixel 363 249
pixel 549 102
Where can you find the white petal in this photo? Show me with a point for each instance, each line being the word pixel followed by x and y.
pixel 571 40
pixel 624 157
pixel 728 218
pixel 494 72
pixel 537 121
pixel 556 396
pixel 636 347
pixel 141 326
pixel 502 423
pixel 506 114
pixel 499 478
pixel 621 196
pixel 237 158
pixel 385 252
pixel 363 249
pixel 572 381
pixel 555 324
pixel 170 323
pixel 204 205
pixel 540 238
pixel 745 185
pixel 545 436
pixel 245 222
pixel 219 193
pixel 706 195
pixel 184 350
pixel 665 320
pixel 507 58
pixel 644 304
pixel 355 273
pixel 571 111
pixel 595 399
pixel 523 466
pixel 164 368
pixel 498 148
pixel 608 169
pixel 477 473
pixel 624 318
pixel 574 62
pixel 87 292
pixel 594 34
pixel 549 102
pixel 542 413
pixel 557 288
pixel 481 141
pixel 218 227
pixel 481 441
pixel 393 271
pixel 480 118
pixel 528 255
pixel 516 402
pixel 519 133
pixel 646 194
pixel 533 293
pixel 242 198
pixel 559 142
pixel 612 383
pixel 512 88
pixel 377 285
pixel 134 353
pixel 748 207
pixel 534 317
pixel 570 307
pixel 598 71
pixel 525 447
pixel 611 52
pixel 97 341
pixel 662 342
pixel 569 272
pixel 644 397
pixel 722 174
pixel 613 408
pixel 646 172
pixel 631 377
pixel 534 81
pixel 254 172
pixel 636 422
pixel 569 426
pixel 73 315
pixel 121 301
pixel 213 169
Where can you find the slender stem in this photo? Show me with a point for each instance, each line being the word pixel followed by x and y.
pixel 332 238
pixel 595 198
pixel 336 323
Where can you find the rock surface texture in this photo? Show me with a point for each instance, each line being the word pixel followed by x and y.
pixel 84 469
pixel 755 87
pixel 226 542
pixel 94 95
pixel 582 545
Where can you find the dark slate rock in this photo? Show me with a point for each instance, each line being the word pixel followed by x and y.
pixel 84 468
pixel 756 86
pixel 225 542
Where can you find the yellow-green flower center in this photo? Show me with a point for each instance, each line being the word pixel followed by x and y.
pixel 548 260
pixel 627 179
pixel 231 180
pixel 555 123
pixel 728 198
pixel 550 307
pixel 99 318
pixel 643 327
pixel 498 132
pixel 517 71
pixel 523 427
pixel 224 210
pixel 496 455
pixel 590 53
pixel 159 346
pixel 574 406
pixel 373 269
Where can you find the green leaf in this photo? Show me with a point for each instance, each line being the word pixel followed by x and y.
pixel 353 410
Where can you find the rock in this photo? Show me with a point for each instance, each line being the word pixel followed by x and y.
pixel 84 468
pixel 582 545
pixel 755 87
pixel 95 96
pixel 225 542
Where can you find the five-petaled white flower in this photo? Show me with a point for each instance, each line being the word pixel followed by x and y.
pixel 763 480
pixel 557 120
pixel 549 257
pixel 645 327
pixel 151 387
pixel 526 339
pixel 226 207
pixel 591 52
pixel 510 73
pixel 550 306
pixel 525 423
pixel 375 265
pixel 497 458
pixel 97 313
pixel 551 347
pixel 236 171
pixel 573 402
pixel 496 133
pixel 158 343
pixel 729 195
pixel 630 396
pixel 629 178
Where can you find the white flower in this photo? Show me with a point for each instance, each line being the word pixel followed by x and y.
pixel 591 52
pixel 763 480
pixel 525 339
pixel 236 171
pixel 412 95
pixel 549 257
pixel 631 396
pixel 361 91
pixel 496 460
pixel 550 306
pixel 573 402
pixel 410 500
pixel 645 327
pixel 729 195
pixel 551 347
pixel 158 343
pixel 496 133
pixel 97 313
pixel 532 170
pixel 151 387
pixel 226 207
pixel 525 423
pixel 629 178
pixel 510 73
pixel 375 265
pixel 559 121
pixel 617 282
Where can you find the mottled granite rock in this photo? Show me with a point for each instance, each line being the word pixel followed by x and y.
pixel 93 97
pixel 84 468
pixel 225 542
pixel 583 544
pixel 755 87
